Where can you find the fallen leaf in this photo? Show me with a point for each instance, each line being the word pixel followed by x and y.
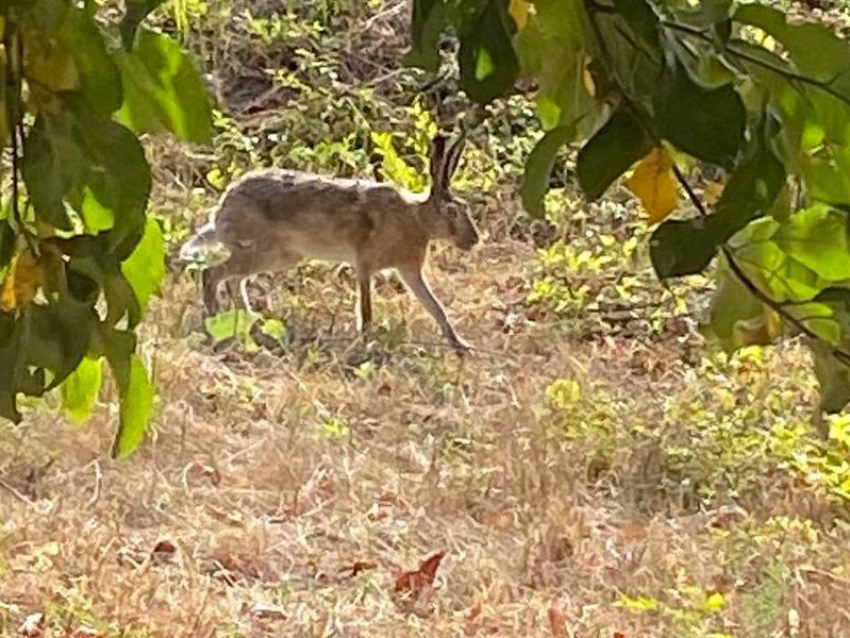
pixel 267 612
pixel 654 183
pixel 414 583
pixel 618 634
pixel 557 622
pixel 470 624
pixel 164 549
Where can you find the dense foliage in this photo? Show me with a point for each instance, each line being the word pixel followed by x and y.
pixel 667 88
pixel 79 258
pixel 665 93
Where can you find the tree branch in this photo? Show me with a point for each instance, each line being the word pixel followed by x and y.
pixel 841 355
pixel 741 55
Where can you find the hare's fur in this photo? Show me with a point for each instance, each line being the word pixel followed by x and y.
pixel 270 220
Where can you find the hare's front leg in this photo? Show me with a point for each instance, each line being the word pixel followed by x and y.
pixel 414 279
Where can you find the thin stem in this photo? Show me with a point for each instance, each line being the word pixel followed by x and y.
pixel 841 355
pixel 12 44
pixel 741 55
pixel 696 201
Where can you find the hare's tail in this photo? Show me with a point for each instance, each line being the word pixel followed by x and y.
pixel 196 244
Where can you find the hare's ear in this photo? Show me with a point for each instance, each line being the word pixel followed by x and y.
pixel 438 160
pixel 453 156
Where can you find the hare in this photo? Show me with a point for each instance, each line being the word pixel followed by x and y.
pixel 270 220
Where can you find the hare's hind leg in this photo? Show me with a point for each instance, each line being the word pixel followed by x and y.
pixel 240 265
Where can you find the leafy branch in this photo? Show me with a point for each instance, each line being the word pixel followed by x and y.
pixel 655 87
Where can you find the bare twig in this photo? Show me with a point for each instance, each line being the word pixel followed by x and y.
pixel 696 201
pixel 23 498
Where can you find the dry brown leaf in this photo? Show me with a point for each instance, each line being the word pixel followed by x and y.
pixel 557 621
pixel 654 183
pixel 164 549
pixel 414 583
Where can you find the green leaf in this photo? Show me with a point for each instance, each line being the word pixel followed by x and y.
pixel 59 336
pixel 733 307
pixel 136 408
pixel 163 90
pixel 82 388
pixel 642 18
pixel 12 365
pixel 118 177
pixel 134 389
pixel 705 123
pixel 828 179
pixel 817 238
pixel 137 10
pixel 551 51
pixel 778 275
pixel 686 247
pixel 429 20
pixel 144 269
pixel 621 142
pixel 231 324
pixel 814 49
pixel 274 328
pixel 488 63
pixel 100 82
pixel 96 217
pixel 52 166
pixel 8 240
pixel 538 169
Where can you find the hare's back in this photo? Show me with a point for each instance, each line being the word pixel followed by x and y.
pixel 293 196
pixel 310 215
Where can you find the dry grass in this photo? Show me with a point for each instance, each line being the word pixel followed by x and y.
pixel 269 478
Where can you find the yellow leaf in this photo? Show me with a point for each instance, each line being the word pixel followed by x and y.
pixel 21 282
pixel 715 602
pixel 519 10
pixel 654 183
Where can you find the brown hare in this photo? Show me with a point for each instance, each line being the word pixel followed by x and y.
pixel 270 220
